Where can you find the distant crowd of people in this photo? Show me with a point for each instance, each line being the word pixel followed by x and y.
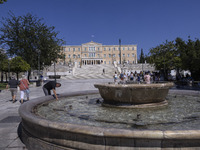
pixel 146 77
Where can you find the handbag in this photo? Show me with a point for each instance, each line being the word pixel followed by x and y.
pixel 26 89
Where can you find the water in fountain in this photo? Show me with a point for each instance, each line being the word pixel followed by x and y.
pixel 182 112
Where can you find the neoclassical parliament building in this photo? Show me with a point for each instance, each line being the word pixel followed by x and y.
pixel 93 53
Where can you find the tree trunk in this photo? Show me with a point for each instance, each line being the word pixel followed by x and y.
pixel 6 77
pixel 1 76
pixel 29 73
pixel 17 76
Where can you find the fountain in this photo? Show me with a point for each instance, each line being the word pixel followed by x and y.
pixel 136 95
pixel 79 120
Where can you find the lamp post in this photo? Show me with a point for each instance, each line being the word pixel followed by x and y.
pixel 9 69
pixel 38 51
pixel 120 56
pixel 55 70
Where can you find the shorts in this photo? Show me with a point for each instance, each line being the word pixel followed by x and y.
pixel 13 91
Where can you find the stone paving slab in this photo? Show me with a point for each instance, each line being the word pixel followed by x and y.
pixel 9 117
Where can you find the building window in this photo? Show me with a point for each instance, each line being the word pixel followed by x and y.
pixel 91 49
pixel 114 55
pixel 98 49
pixel 104 49
pixel 123 55
pixel 78 55
pixel 123 48
pixel 104 55
pixel 128 48
pixel 64 49
pixel 74 49
pixel 109 49
pixel 104 62
pixel 69 49
pixel 79 49
pixel 98 56
pixel 133 48
pixel 114 48
pixel 119 55
pixel 85 55
pixel 133 55
pixel 109 62
pixel 109 55
pixel 85 48
pixel 74 56
pixel 91 54
pixel 128 55
pixel 69 56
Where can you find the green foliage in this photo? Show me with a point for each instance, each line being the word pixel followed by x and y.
pixel 2 1
pixel 190 56
pixel 17 65
pixel 3 86
pixel 142 58
pixel 3 58
pixel 27 36
pixel 165 57
pixel 179 55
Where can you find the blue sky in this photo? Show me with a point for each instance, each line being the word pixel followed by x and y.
pixel 146 23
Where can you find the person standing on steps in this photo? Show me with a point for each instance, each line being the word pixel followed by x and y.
pixel 103 71
pixel 12 85
pixel 51 85
pixel 24 88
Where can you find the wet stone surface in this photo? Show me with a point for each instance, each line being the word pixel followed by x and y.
pixel 182 113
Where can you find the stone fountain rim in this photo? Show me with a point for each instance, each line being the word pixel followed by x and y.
pixel 26 112
pixel 152 85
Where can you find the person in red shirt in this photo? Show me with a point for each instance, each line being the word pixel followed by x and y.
pixel 24 88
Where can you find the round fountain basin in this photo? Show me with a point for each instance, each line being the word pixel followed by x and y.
pixel 38 132
pixel 134 93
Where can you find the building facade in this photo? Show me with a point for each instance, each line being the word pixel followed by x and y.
pixel 93 53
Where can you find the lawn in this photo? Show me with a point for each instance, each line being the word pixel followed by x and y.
pixel 2 86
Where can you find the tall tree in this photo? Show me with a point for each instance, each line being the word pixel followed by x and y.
pixel 3 58
pixel 2 1
pixel 27 36
pixel 141 60
pixel 165 57
pixel 190 56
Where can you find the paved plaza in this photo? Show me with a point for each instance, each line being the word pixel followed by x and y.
pixel 10 119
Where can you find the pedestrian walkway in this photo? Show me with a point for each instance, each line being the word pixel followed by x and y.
pixel 10 119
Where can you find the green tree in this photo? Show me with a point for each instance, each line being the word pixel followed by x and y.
pixel 27 36
pixel 165 57
pixel 190 56
pixel 18 65
pixel 142 58
pixel 3 58
pixel 2 1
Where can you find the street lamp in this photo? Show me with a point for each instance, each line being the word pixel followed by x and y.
pixel 55 70
pixel 9 69
pixel 38 51
pixel 120 51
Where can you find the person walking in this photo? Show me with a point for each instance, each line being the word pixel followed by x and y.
pixel 24 88
pixel 51 85
pixel 12 85
pixel 147 78
pixel 115 76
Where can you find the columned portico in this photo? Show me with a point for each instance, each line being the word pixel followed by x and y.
pixel 92 61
